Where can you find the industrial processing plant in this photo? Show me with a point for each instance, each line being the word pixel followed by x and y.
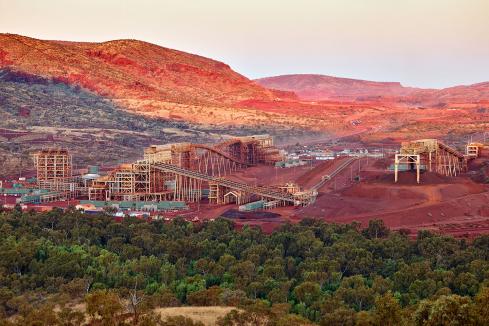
pixel 248 179
pixel 172 173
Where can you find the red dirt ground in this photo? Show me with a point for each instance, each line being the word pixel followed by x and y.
pixel 451 205
pixel 455 205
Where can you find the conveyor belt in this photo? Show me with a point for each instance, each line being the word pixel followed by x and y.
pixel 267 192
pixel 334 173
pixel 220 152
pixel 450 150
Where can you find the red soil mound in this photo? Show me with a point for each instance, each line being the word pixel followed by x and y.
pixel 313 176
pixel 409 178
pixel 453 191
pixel 456 206
pixel 381 193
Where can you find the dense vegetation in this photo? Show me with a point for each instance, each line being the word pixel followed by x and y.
pixel 325 273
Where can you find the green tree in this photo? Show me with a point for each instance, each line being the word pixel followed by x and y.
pixel 387 310
pixel 44 315
pixel 293 320
pixel 446 310
pixel 307 292
pixel 376 229
pixel 338 316
pixel 481 304
pixel 355 292
pixel 206 297
pixel 104 307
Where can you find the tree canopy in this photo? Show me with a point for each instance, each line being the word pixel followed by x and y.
pixel 310 272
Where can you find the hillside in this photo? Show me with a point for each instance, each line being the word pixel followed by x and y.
pixel 131 69
pixel 148 82
pixel 454 96
pixel 37 112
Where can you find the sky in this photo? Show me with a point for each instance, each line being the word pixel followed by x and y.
pixel 421 43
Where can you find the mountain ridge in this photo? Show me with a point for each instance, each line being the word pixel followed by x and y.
pixel 161 83
pixel 134 72
pixel 316 87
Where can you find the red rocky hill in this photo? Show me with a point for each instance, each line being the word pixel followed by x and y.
pixel 159 82
pixel 131 69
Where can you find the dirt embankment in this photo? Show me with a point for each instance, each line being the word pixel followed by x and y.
pixel 455 205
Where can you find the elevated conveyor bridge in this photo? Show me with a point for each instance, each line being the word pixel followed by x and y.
pixel 224 190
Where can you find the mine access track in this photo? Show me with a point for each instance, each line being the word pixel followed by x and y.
pixel 266 192
pixel 335 172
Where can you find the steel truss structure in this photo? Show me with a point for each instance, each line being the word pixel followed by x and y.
pixel 131 182
pixel 433 154
pixel 409 160
pixel 54 171
pixel 53 165
pixel 182 171
pixel 223 191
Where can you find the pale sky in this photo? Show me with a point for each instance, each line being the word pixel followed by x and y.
pixel 424 43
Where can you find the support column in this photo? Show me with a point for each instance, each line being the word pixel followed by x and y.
pixel 418 164
pixel 410 160
pixel 396 168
